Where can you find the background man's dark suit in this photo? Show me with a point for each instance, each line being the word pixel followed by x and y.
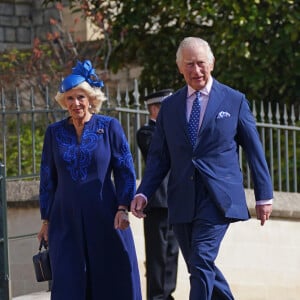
pixel 161 246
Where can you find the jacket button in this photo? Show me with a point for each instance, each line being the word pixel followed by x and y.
pixel 192 177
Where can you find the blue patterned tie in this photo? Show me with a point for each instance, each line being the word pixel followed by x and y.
pixel 193 125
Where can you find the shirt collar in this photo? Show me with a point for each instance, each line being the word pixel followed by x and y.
pixel 205 91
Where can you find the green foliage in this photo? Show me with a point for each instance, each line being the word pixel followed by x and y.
pixel 39 63
pixel 23 149
pixel 256 43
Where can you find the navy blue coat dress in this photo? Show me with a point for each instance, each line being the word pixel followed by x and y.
pixel 81 185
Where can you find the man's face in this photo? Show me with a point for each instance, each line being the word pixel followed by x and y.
pixel 195 66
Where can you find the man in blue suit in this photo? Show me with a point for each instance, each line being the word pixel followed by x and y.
pixel 161 247
pixel 205 189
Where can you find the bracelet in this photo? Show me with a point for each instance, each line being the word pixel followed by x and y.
pixel 123 210
pixel 45 222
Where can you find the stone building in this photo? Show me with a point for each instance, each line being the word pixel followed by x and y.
pixel 21 21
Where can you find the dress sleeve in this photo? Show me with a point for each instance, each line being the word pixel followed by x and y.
pixel 122 163
pixel 48 176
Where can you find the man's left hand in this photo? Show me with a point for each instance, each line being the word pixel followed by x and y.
pixel 263 212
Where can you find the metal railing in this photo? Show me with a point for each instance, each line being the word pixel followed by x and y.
pixel 280 136
pixel 23 126
pixel 4 265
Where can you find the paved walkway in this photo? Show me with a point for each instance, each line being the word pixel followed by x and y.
pixel 34 296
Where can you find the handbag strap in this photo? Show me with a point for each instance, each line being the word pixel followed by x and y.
pixel 44 244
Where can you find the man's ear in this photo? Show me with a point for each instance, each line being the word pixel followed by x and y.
pixel 212 65
pixel 178 67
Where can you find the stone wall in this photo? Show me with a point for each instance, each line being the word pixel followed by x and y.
pixel 25 194
pixel 22 21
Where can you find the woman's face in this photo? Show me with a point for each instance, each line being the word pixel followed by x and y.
pixel 77 103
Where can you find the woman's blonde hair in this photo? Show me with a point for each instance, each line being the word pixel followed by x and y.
pixel 95 95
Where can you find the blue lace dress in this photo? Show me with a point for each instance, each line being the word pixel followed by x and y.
pixel 81 185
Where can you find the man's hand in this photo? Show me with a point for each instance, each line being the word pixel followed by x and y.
pixel 263 212
pixel 137 206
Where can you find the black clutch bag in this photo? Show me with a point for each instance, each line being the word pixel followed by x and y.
pixel 41 263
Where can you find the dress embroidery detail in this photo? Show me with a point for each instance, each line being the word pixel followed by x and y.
pixel 77 156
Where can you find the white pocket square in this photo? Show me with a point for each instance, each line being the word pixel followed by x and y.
pixel 223 114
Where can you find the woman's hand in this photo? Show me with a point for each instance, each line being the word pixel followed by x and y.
pixel 121 218
pixel 43 234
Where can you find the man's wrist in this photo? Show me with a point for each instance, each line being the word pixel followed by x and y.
pixel 264 202
pixel 143 196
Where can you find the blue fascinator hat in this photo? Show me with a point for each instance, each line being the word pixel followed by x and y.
pixel 83 71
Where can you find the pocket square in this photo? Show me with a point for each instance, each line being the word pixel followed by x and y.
pixel 223 114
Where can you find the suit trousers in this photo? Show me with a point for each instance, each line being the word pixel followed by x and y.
pixel 162 250
pixel 199 242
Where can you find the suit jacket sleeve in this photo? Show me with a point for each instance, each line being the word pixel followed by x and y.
pixel 157 163
pixel 249 139
pixel 144 138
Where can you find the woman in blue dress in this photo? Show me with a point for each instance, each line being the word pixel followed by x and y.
pixel 87 182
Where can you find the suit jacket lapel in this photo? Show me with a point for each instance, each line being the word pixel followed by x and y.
pixel 181 112
pixel 215 99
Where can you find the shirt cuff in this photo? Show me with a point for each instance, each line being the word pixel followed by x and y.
pixel 142 195
pixel 264 202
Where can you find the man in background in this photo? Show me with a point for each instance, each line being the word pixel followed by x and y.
pixel 160 243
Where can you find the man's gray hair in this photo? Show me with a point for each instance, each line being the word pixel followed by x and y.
pixel 190 42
